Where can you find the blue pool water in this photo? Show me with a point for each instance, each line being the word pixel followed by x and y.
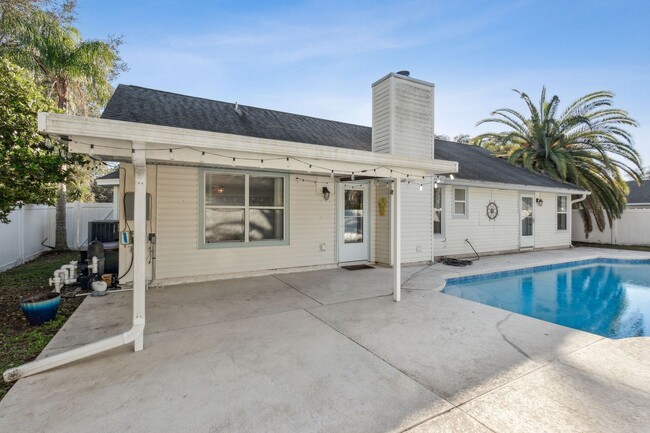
pixel 603 296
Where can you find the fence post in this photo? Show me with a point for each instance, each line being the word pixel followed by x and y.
pixel 77 207
pixel 21 235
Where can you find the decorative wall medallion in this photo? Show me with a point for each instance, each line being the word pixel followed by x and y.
pixel 492 210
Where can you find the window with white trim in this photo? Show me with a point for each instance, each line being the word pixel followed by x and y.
pixel 437 210
pixel 562 212
pixel 243 208
pixel 460 201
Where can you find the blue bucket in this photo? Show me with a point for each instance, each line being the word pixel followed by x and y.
pixel 41 308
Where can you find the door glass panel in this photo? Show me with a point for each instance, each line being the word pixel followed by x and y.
pixel 526 216
pixel 353 217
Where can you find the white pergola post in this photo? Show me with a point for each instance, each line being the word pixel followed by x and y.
pixel 397 239
pixel 139 239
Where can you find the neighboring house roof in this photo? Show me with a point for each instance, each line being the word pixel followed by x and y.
pixel 155 107
pixel 639 194
pixel 110 179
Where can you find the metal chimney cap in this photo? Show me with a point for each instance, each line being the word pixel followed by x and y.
pixel 405 73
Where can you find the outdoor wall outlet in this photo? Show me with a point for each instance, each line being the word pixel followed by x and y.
pixel 126 237
pixel 418 248
pixel 322 246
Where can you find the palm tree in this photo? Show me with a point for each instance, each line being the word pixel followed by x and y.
pixel 77 72
pixel 586 145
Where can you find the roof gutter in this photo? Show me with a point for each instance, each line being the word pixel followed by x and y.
pixel 511 186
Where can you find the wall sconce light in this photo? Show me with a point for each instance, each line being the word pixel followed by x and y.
pixel 326 193
pixel 539 202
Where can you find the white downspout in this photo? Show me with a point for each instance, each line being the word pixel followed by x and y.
pixel 136 333
pixel 397 240
pixel 578 200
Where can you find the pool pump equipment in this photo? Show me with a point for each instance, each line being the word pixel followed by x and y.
pixel 88 272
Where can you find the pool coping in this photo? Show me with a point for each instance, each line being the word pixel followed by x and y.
pixel 545 267
pixel 496 268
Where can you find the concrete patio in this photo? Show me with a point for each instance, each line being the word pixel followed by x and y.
pixel 330 350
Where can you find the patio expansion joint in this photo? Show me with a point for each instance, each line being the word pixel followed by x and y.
pixel 297 289
pixel 540 367
pixel 453 406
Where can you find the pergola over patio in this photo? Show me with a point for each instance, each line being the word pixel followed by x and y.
pixel 145 144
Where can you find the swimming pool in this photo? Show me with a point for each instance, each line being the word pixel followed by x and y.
pixel 608 297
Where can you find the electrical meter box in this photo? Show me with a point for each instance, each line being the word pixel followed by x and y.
pixel 128 206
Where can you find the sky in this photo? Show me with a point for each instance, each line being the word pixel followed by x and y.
pixel 319 58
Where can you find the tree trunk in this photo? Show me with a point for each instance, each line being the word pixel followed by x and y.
pixel 61 242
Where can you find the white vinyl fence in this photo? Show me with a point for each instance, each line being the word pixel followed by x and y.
pixel 34 226
pixel 632 229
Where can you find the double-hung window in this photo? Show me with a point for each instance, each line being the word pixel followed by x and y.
pixel 562 212
pixel 437 210
pixel 243 208
pixel 460 202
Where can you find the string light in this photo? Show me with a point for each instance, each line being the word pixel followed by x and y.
pixel 352 175
pixel 202 153
pixel 332 174
pixel 421 186
pixel 262 163
pixel 309 169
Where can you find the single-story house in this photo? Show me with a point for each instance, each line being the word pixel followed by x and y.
pixel 220 189
pixel 112 180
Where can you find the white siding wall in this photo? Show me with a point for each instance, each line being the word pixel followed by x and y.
pixel 413 121
pixel 417 223
pixel 381 240
pixel 312 222
pixel 381 117
pixel 546 233
pixel 402 121
pixel 501 234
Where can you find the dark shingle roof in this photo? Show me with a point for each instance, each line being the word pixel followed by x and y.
pixel 155 107
pixel 639 194
pixel 141 105
pixel 476 163
pixel 112 175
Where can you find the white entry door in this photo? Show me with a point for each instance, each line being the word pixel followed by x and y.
pixel 527 218
pixel 354 221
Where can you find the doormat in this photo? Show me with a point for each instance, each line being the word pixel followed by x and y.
pixel 357 267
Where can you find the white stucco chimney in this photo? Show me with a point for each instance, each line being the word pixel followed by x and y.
pixel 402 116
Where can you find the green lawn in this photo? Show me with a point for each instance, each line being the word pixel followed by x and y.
pixel 20 342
